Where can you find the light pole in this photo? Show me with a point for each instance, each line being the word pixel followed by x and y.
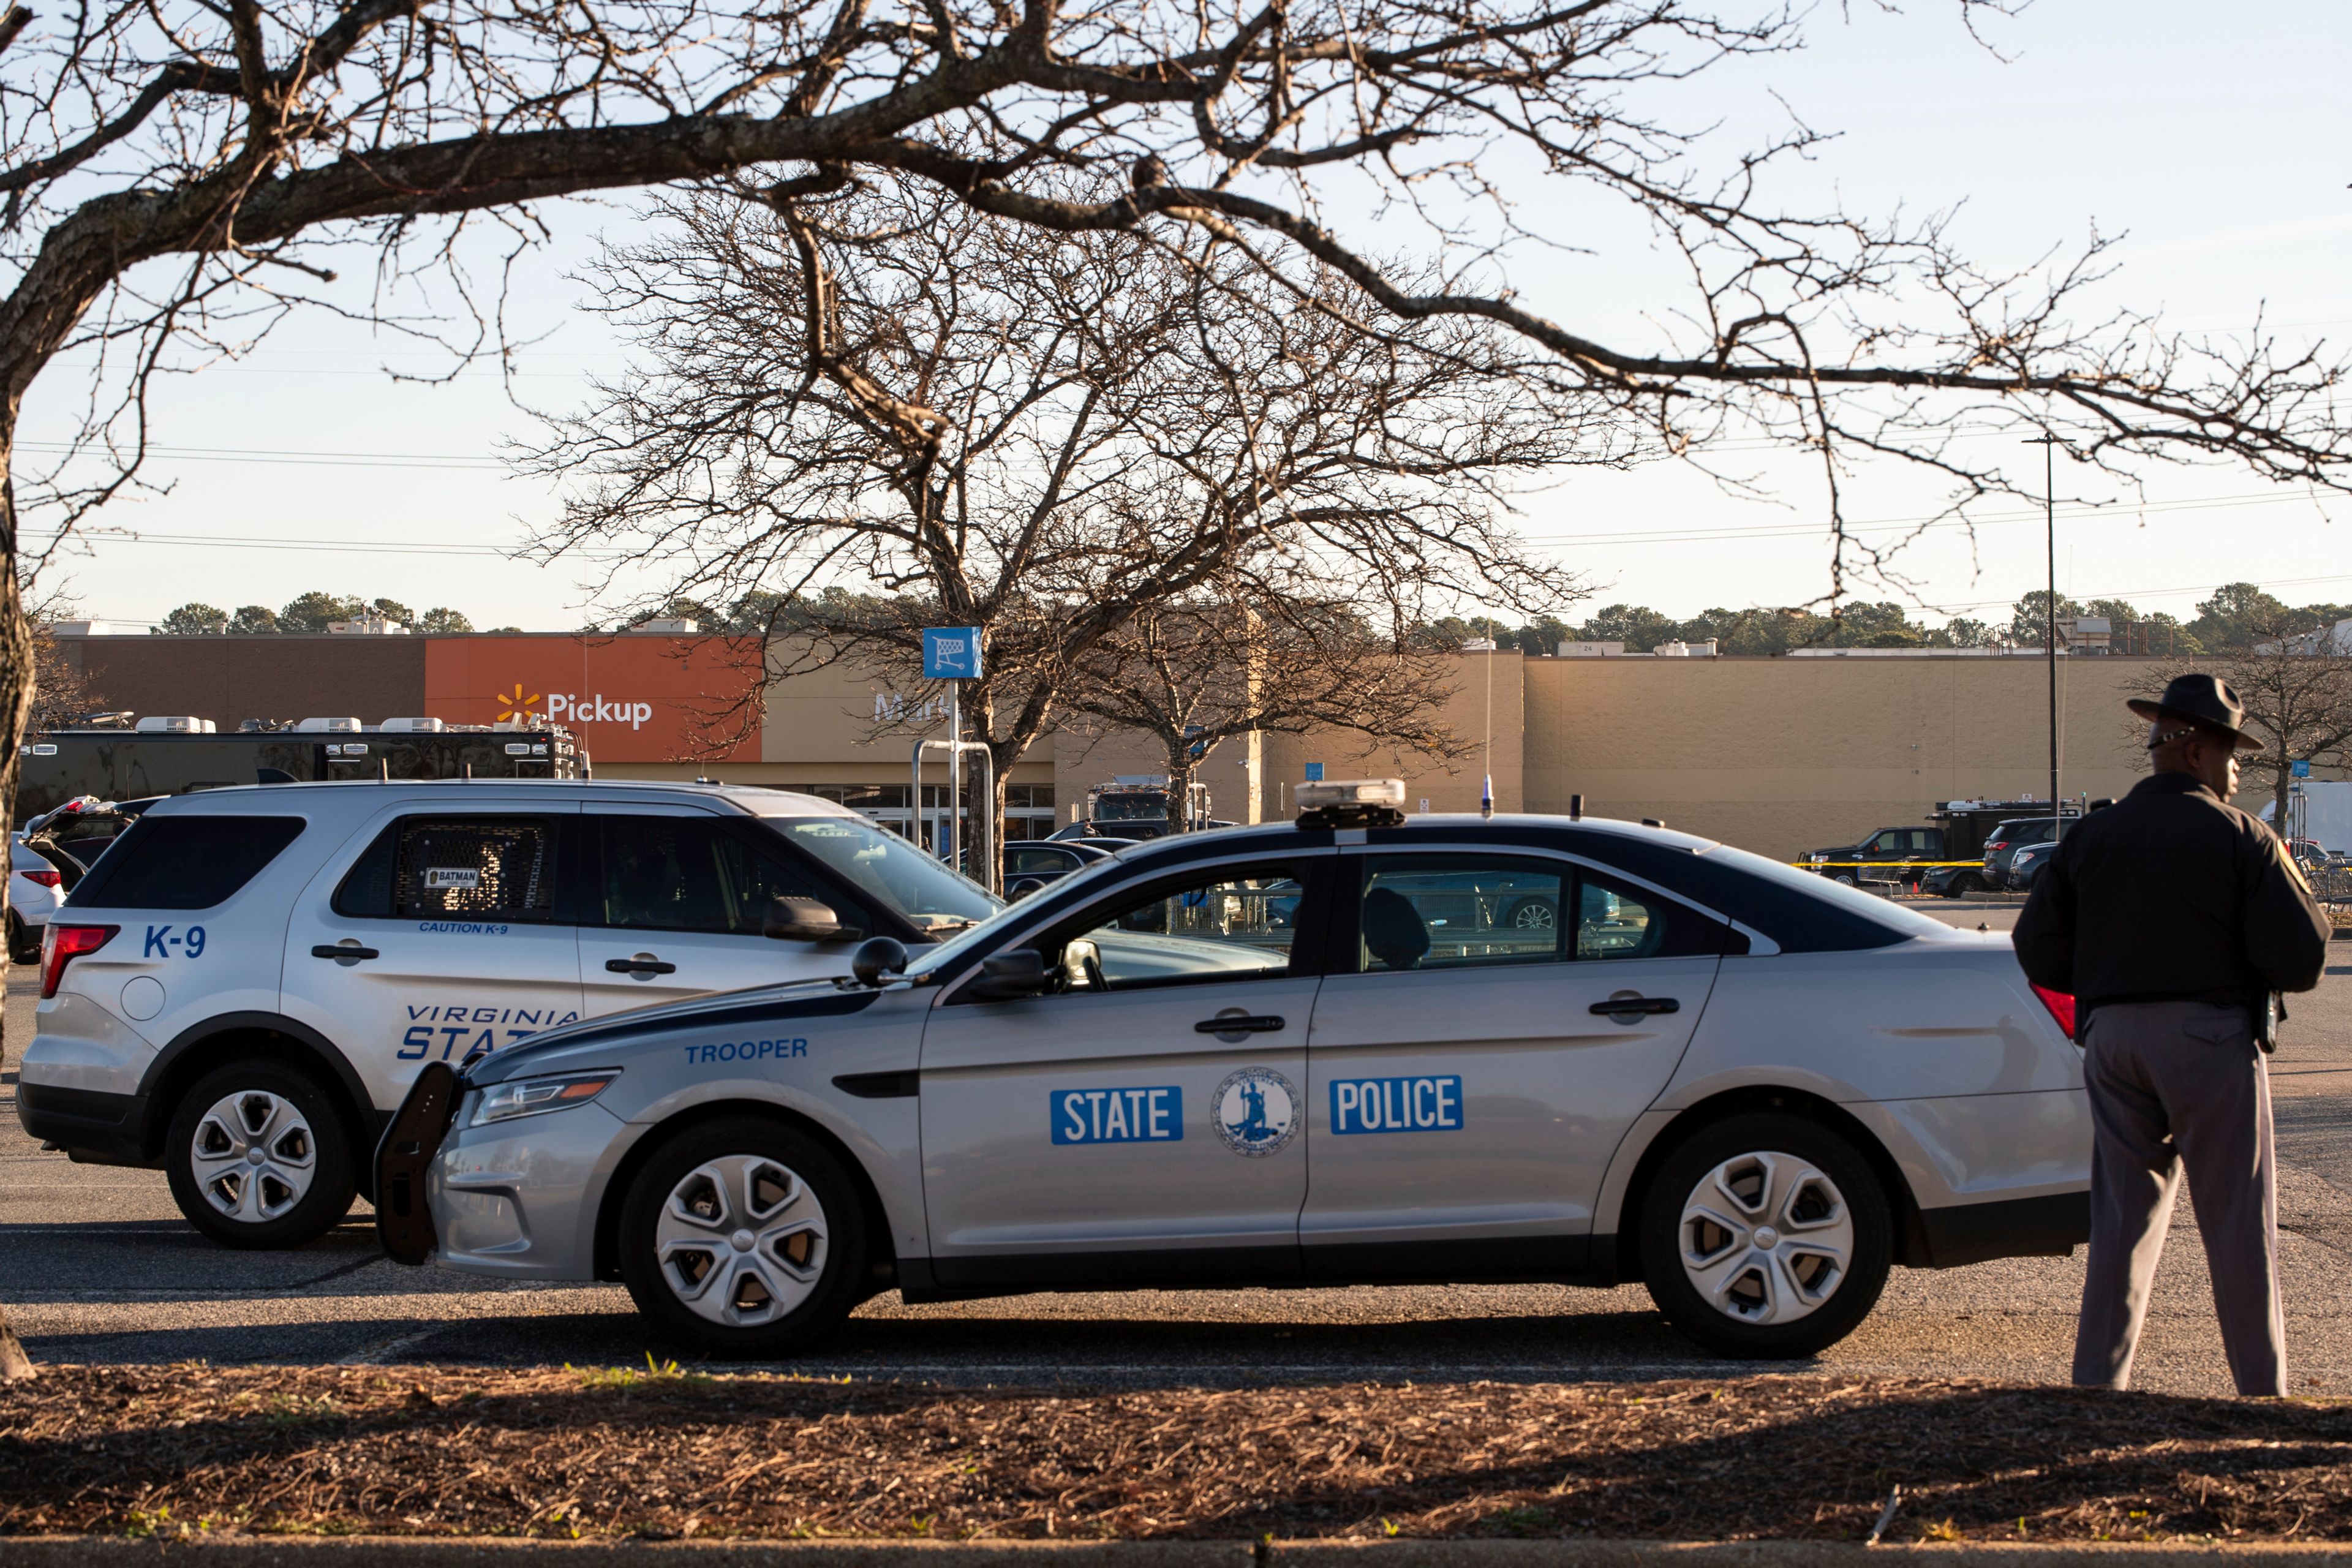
pixel 2049 616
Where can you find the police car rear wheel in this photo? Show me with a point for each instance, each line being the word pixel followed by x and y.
pixel 1766 1236
pixel 743 1238
pixel 258 1158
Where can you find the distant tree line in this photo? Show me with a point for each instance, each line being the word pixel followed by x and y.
pixel 2238 615
pixel 308 612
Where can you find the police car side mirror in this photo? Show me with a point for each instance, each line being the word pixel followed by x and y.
pixel 1004 976
pixel 805 920
pixel 876 957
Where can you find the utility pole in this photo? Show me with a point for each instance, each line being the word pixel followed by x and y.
pixel 2050 616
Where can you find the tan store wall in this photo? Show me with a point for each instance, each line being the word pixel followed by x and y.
pixel 1781 755
pixel 1498 680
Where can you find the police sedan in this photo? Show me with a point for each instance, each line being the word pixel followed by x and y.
pixel 1356 1049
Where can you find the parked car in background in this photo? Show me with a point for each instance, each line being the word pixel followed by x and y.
pixel 35 887
pixel 1030 863
pixel 2006 839
pixel 1956 831
pixel 1954 881
pixel 1880 856
pixel 71 837
pixel 2027 863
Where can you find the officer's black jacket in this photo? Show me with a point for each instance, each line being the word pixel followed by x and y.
pixel 2171 894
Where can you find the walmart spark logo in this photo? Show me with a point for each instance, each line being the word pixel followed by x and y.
pixel 514 704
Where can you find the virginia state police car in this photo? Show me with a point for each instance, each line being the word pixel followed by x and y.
pixel 1356 1049
pixel 244 986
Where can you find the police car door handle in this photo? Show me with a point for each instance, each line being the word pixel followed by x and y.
pixel 1629 1005
pixel 1239 1023
pixel 343 950
pixel 642 964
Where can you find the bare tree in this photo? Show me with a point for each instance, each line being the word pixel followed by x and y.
pixel 61 693
pixel 1195 673
pixel 2298 695
pixel 1045 438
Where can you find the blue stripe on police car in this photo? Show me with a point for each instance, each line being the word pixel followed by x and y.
pixel 1396 1105
pixel 1118 1115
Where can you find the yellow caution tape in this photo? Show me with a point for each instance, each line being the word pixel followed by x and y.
pixel 1883 865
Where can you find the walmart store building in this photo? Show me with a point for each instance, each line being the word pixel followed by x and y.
pixel 1775 754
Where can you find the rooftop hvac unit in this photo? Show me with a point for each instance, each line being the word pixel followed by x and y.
pixel 175 724
pixel 413 726
pixel 329 726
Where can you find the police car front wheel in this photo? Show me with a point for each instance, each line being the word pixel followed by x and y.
pixel 1766 1235
pixel 257 1157
pixel 744 1237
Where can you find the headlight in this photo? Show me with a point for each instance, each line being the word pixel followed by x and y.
pixel 530 1096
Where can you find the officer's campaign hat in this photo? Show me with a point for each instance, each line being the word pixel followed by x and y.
pixel 2206 700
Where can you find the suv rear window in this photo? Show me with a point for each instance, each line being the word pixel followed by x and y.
pixel 185 862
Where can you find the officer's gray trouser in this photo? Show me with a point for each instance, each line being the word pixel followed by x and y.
pixel 2175 1084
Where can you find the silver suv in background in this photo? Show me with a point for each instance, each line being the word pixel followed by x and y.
pixel 244 986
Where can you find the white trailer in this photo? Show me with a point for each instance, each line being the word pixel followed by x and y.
pixel 2320 810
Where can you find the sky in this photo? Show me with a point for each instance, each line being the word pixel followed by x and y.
pixel 2213 139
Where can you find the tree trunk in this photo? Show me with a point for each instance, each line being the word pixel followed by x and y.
pixel 2281 786
pixel 1180 782
pixel 15 701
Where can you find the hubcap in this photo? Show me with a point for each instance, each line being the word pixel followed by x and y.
pixel 1534 916
pixel 254 1156
pixel 742 1240
pixel 1766 1238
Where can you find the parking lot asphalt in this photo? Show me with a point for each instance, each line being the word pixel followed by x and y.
pixel 96 1266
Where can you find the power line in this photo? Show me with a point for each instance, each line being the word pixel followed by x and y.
pixel 2119 510
pixel 236 541
pixel 475 463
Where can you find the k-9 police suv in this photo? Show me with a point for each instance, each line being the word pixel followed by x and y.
pixel 246 983
pixel 1354 1049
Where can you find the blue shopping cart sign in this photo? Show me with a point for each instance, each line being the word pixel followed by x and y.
pixel 1315 772
pixel 951 653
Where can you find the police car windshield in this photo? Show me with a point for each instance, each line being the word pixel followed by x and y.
pixel 1893 916
pixel 985 936
pixel 920 887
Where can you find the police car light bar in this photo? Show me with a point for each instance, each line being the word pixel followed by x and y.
pixel 1351 803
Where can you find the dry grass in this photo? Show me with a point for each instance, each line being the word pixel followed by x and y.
pixel 163 1450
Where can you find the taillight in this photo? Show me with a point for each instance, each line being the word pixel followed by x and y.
pixel 62 944
pixel 2061 1005
pixel 2001 844
pixel 46 879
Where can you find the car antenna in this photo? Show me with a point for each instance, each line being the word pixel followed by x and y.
pixel 1487 792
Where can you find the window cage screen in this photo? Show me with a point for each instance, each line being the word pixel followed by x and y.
pixel 475 871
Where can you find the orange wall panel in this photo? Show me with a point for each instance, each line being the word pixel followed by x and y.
pixel 632 698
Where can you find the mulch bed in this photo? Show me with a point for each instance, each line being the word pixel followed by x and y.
pixel 565 1453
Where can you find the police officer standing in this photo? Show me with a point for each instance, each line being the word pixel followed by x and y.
pixel 2174 919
